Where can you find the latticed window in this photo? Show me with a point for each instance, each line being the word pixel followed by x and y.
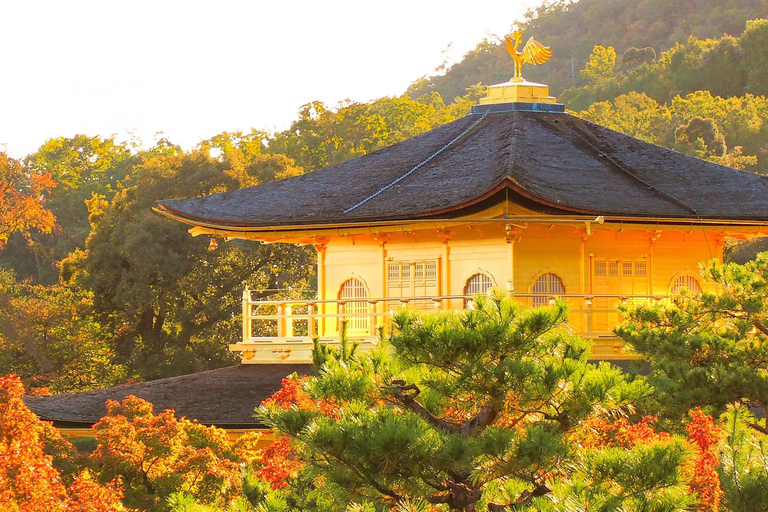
pixel 353 305
pixel 689 283
pixel 625 268
pixel 410 279
pixel 547 285
pixel 478 283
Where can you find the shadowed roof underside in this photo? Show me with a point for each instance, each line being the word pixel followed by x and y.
pixel 223 397
pixel 560 163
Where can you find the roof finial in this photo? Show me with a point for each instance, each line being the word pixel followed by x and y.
pixel 533 53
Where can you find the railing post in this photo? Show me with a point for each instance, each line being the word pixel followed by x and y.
pixel 281 320
pixel 289 321
pixel 246 314
pixel 372 322
pixel 311 331
pixel 340 315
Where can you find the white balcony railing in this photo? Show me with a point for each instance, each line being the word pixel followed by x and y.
pixel 282 326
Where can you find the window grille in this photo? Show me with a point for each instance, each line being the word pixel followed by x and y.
pixel 547 285
pixel 408 279
pixel 355 311
pixel 690 283
pixel 627 268
pixel 478 283
pixel 601 268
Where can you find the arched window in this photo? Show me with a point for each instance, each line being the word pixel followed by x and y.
pixel 478 283
pixel 547 285
pixel 687 282
pixel 353 305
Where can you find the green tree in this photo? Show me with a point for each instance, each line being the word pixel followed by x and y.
pixel 172 303
pixel 600 69
pixel 475 410
pixel 325 136
pixel 81 166
pixel 754 43
pixel 709 350
pixel 49 337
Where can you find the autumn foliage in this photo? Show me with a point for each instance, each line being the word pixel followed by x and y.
pixel 22 199
pixel 621 433
pixel 157 455
pixel 702 468
pixel 279 461
pixel 29 482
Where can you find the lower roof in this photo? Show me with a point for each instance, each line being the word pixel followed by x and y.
pixel 225 397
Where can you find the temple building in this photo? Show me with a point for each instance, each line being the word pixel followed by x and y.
pixel 518 195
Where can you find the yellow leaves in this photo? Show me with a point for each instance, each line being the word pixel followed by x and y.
pixel 600 67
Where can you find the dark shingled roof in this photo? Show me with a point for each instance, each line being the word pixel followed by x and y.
pixel 560 162
pixel 225 397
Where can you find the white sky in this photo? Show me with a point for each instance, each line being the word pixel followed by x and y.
pixel 192 69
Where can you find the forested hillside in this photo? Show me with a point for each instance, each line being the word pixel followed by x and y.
pixel 573 28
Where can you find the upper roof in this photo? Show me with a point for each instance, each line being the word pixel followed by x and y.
pixel 225 397
pixel 554 163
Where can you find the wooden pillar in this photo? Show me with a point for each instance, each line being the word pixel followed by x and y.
pixel 445 267
pixel 382 307
pixel 321 293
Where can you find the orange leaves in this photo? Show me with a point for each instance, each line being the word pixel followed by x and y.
pixel 22 199
pixel 700 469
pixel 28 480
pixel 599 433
pixel 158 455
pixel 290 394
pixel 279 463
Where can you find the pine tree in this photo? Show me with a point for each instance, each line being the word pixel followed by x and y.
pixel 711 349
pixel 475 410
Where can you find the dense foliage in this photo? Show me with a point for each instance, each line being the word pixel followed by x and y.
pixel 487 409
pixel 474 410
pixel 709 350
pixel 30 480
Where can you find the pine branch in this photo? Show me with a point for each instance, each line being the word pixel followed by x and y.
pixel 482 419
pixel 760 326
pixel 524 499
pixel 408 401
pixel 405 395
pixel 758 427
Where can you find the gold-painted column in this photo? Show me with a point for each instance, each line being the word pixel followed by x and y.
pixel 321 294
pixel 651 271
pixel 382 308
pixel 445 267
pixel 583 280
pixel 511 236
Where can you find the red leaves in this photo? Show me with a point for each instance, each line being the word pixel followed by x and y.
pixel 599 433
pixel 702 467
pixel 279 463
pixel 28 480
pixel 291 393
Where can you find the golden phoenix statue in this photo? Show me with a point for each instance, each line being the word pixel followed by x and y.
pixel 533 53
